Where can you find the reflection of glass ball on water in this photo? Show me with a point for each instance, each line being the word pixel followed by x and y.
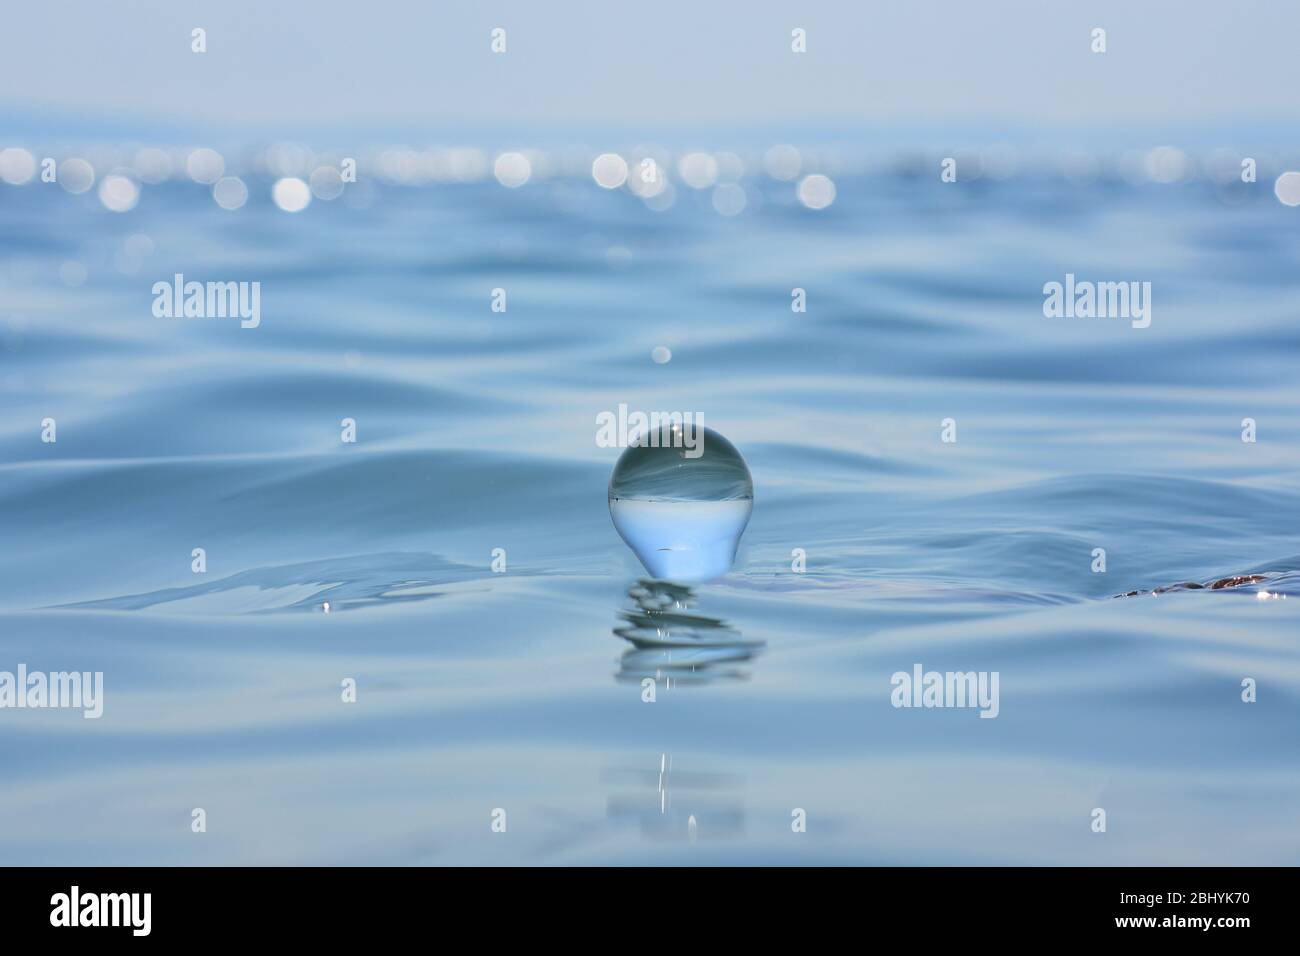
pixel 681 498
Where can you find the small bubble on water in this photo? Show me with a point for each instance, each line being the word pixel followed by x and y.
pixel 76 175
pixel 816 191
pixel 1287 188
pixel 205 166
pixel 782 162
pixel 17 165
pixel 230 193
pixel 609 170
pixel 512 170
pixel 291 194
pixel 326 183
pixel 118 193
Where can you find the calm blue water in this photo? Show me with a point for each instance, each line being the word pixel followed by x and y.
pixel 476 431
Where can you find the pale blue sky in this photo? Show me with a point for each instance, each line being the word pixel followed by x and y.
pixel 655 64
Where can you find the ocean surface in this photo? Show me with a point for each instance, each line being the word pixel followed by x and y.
pixel 520 689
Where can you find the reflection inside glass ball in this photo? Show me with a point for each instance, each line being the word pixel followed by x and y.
pixel 681 497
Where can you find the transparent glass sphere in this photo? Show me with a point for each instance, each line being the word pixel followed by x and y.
pixel 681 498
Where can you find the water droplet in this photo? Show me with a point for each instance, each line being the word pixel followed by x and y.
pixel 681 498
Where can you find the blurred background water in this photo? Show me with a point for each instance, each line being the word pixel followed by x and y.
pixel 476 430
